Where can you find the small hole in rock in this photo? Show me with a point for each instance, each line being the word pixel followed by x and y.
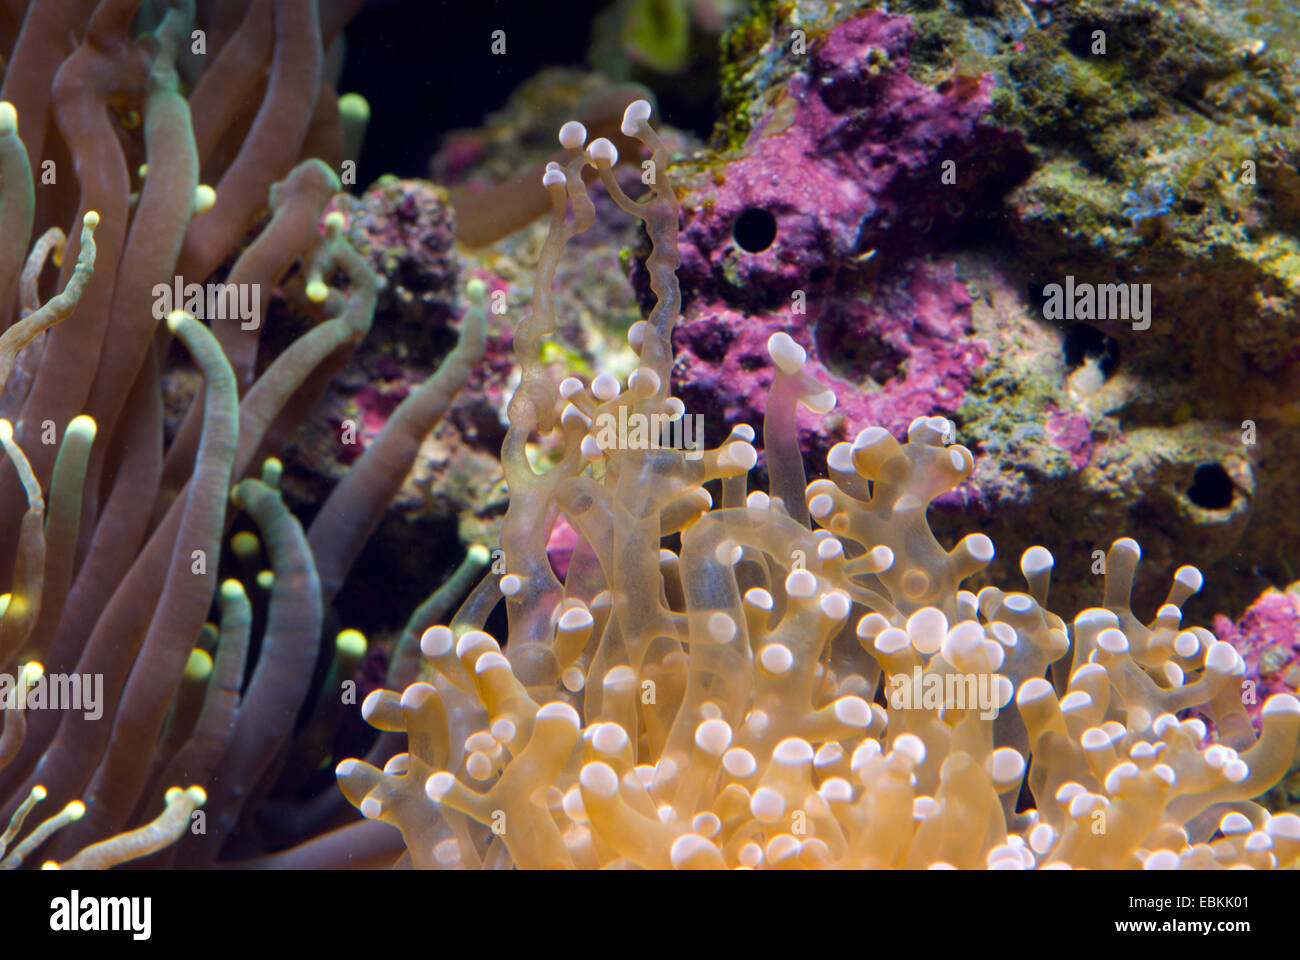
pixel 1211 487
pixel 1085 342
pixel 754 230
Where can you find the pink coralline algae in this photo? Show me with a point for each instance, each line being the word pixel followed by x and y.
pixel 1071 432
pixel 375 403
pixel 856 156
pixel 897 354
pixel 560 545
pixel 829 224
pixel 406 230
pixel 1268 639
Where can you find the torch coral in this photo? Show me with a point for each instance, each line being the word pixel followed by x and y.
pixel 114 528
pixel 803 682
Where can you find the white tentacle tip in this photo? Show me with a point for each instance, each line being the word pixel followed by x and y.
pixel 637 113
pixel 573 135
pixel 602 151
pixel 785 353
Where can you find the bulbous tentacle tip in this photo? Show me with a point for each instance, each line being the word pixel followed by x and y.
pixel 788 356
pixel 636 114
pixel 353 107
pixel 573 135
pixel 603 151
pixel 177 319
pixel 205 198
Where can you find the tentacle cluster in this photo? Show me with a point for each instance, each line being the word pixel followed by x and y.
pixel 803 682
pixel 178 129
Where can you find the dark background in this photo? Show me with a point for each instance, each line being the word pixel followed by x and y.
pixel 426 67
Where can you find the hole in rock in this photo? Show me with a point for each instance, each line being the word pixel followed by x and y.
pixel 754 230
pixel 1085 342
pixel 1211 487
